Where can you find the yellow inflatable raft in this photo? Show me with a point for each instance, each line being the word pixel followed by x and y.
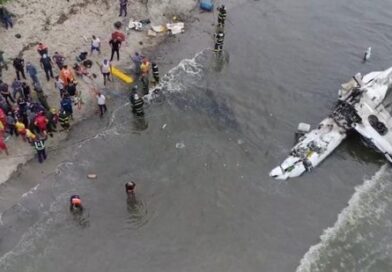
pixel 121 75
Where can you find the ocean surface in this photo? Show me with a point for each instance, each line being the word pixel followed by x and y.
pixel 202 154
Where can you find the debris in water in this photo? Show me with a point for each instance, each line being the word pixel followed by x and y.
pixel 240 141
pixel 180 145
pixel 164 125
pixel 367 54
pixel 92 176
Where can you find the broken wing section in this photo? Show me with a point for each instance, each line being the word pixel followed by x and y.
pixel 311 150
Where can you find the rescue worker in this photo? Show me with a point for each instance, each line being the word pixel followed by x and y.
pixel 130 188
pixel 64 120
pixel 222 16
pixel 75 204
pixel 39 145
pixel 219 38
pixel 155 72
pixel 137 105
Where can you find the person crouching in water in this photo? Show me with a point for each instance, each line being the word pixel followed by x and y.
pixel 75 204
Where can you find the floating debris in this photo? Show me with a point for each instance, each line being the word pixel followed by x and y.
pixel 180 145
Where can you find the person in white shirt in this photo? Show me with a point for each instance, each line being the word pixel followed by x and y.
pixel 106 68
pixel 95 45
pixel 101 103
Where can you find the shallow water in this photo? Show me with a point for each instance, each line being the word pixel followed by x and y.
pixel 202 155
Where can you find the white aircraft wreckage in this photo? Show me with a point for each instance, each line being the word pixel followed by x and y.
pixel 362 107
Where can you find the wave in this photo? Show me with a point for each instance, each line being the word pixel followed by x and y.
pixel 351 244
pixel 173 80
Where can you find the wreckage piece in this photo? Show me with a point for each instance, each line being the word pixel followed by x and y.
pixel 360 107
pixel 311 150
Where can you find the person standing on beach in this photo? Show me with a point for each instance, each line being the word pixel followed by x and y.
pixel 5 16
pixel 123 7
pixel 145 70
pixel 66 105
pixel 4 91
pixel 3 64
pixel 42 49
pixel 39 145
pixel 115 44
pixel 46 64
pixel 222 16
pixel 66 75
pixel 137 61
pixel 155 72
pixel 19 67
pixel 3 146
pixel 58 59
pixel 101 99
pixel 64 120
pixel 95 45
pixel 32 71
pixel 59 85
pixel 106 68
pixel 17 87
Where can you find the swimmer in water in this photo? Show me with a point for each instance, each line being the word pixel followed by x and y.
pixel 130 188
pixel 75 204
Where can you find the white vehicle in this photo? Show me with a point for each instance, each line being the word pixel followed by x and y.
pixel 361 108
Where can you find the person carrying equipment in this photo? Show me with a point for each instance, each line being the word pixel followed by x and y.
pixel 75 204
pixel 155 72
pixel 222 16
pixel 219 38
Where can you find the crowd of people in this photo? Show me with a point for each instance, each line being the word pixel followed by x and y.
pixel 24 109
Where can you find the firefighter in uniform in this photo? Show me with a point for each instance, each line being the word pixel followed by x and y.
pixel 155 72
pixel 137 105
pixel 64 119
pixel 222 16
pixel 219 38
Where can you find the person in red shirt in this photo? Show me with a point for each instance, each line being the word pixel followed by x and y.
pixel 42 49
pixel 3 146
pixel 41 122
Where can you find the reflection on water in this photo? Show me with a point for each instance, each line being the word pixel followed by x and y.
pixel 137 213
pixel 81 217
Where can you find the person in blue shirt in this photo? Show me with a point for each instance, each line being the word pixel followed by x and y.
pixel 32 71
pixel 66 105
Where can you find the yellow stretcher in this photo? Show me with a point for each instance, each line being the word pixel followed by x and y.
pixel 121 75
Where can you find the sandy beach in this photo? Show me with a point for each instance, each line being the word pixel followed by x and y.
pixel 67 27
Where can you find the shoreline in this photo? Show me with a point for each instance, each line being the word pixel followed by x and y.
pixel 20 155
